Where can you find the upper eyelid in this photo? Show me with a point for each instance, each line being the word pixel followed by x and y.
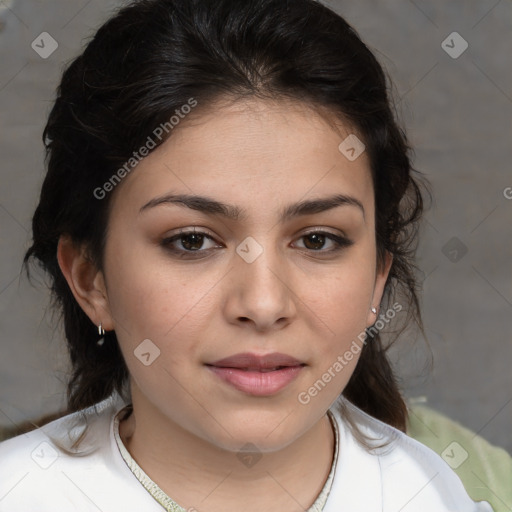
pixel 205 231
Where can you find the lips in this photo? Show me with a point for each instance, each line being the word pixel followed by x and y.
pixel 253 362
pixel 257 375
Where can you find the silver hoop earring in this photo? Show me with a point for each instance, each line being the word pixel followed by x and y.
pixel 101 332
pixel 374 311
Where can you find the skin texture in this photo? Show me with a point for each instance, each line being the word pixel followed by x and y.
pixel 188 425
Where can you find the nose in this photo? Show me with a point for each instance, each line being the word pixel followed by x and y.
pixel 260 294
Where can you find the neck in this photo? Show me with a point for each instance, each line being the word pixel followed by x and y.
pixel 199 475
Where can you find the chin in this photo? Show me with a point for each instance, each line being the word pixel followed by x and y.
pixel 269 432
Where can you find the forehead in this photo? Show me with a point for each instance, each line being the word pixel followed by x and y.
pixel 251 153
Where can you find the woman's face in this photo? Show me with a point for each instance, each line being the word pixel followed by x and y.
pixel 283 261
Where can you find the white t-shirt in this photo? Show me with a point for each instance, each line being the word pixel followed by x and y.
pixel 38 476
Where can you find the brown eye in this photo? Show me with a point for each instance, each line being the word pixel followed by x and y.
pixel 314 241
pixel 324 242
pixel 192 241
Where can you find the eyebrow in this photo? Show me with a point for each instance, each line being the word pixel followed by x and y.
pixel 214 207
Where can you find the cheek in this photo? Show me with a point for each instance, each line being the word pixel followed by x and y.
pixel 149 298
pixel 160 318
pixel 341 301
pixel 342 296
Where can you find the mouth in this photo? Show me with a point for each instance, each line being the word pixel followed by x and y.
pixel 257 375
pixel 256 369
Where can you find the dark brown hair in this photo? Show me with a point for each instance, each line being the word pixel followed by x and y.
pixel 146 62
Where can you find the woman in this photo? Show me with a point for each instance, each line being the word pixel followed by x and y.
pixel 228 219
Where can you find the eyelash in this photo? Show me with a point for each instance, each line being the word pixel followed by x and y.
pixel 340 242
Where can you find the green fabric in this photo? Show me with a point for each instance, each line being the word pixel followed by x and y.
pixel 485 470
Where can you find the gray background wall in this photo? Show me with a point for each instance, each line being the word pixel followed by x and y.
pixel 458 112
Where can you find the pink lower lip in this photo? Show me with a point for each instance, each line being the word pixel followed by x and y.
pixel 255 382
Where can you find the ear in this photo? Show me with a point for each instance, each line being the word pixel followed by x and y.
pixel 85 281
pixel 378 290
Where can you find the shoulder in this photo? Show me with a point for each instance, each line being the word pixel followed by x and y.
pixel 44 468
pixel 411 476
pixel 23 450
pixel 484 469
